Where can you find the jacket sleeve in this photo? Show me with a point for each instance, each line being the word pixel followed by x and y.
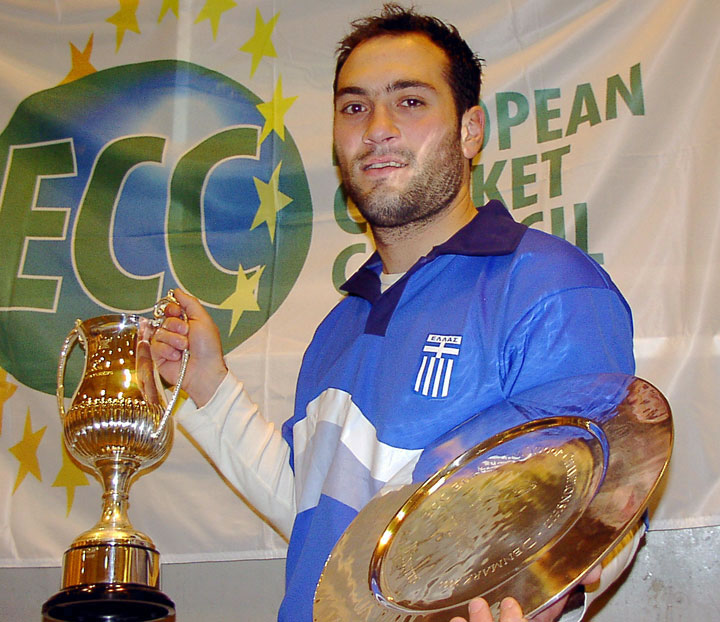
pixel 247 448
pixel 583 330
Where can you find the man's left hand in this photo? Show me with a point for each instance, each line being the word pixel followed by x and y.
pixel 510 610
pixel 479 611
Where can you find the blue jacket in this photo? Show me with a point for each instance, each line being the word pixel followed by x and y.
pixel 495 310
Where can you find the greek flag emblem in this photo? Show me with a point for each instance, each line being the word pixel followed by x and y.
pixel 439 354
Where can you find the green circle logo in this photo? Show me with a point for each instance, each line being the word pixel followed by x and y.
pixel 132 181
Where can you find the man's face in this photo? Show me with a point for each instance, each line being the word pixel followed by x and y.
pixel 396 130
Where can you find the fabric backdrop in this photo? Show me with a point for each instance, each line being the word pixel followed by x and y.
pixel 149 144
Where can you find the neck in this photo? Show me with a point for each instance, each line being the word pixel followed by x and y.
pixel 400 247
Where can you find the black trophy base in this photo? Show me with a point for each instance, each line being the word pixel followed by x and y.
pixel 109 602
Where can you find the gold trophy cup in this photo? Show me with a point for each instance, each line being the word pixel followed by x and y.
pixel 117 426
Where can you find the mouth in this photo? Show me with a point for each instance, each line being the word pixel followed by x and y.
pixel 383 165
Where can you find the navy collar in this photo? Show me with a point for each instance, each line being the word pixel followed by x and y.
pixel 491 232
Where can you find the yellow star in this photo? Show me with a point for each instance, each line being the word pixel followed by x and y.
pixel 6 392
pixel 70 476
pixel 260 44
pixel 124 20
pixel 271 201
pixel 26 452
pixel 274 112
pixel 168 5
pixel 244 298
pixel 212 10
pixel 81 65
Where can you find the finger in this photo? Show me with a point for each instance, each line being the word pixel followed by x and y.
pixel 169 338
pixel 172 309
pixel 510 611
pixel 191 305
pixel 478 611
pixel 593 576
pixel 176 325
pixel 551 613
pixel 165 351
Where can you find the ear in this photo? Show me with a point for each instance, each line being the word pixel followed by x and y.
pixel 472 131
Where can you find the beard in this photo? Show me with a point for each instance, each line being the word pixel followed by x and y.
pixel 429 191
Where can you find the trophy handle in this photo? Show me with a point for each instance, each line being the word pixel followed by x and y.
pixel 158 317
pixel 64 353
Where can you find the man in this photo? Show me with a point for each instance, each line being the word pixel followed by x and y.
pixel 458 309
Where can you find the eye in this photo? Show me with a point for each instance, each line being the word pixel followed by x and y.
pixel 353 108
pixel 412 102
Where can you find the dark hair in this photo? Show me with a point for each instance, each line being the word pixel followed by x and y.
pixel 464 66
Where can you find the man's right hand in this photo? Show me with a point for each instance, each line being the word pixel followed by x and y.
pixel 206 366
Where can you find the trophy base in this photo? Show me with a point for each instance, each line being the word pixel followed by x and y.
pixel 109 602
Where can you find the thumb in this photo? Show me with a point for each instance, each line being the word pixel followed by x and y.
pixel 192 306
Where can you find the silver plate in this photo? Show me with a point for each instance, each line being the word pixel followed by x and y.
pixel 522 500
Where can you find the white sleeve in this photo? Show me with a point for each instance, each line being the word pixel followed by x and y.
pixel 613 566
pixel 247 448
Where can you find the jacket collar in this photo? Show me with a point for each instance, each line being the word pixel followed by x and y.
pixel 491 232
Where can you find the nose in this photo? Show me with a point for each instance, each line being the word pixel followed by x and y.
pixel 380 127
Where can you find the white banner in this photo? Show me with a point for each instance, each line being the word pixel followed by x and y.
pixel 149 144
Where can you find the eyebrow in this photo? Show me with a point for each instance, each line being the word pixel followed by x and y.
pixel 398 85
